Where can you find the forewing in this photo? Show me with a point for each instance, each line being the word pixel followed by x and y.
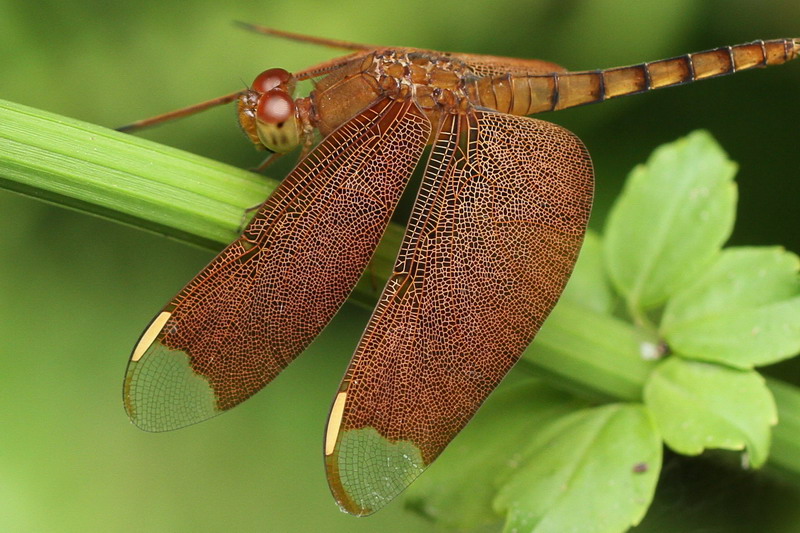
pixel 494 235
pixel 486 65
pixel 264 298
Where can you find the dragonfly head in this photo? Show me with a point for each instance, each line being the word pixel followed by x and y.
pixel 268 114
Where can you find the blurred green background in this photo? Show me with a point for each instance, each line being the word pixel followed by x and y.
pixel 76 291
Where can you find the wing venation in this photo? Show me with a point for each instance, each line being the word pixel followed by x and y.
pixel 264 298
pixel 492 240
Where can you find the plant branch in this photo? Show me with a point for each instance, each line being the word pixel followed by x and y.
pixel 202 202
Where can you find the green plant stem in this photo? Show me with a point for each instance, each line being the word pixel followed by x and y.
pixel 200 201
pixel 124 178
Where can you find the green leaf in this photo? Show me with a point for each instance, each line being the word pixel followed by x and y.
pixel 672 218
pixel 588 286
pixel 458 489
pixel 593 471
pixel 744 311
pixel 701 406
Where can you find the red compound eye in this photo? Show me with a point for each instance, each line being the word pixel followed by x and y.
pixel 270 79
pixel 275 107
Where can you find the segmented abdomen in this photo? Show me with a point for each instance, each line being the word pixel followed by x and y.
pixel 526 95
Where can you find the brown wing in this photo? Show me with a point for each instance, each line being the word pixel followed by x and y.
pixel 492 241
pixel 486 65
pixel 264 298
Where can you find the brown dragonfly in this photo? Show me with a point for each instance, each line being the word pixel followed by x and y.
pixel 492 239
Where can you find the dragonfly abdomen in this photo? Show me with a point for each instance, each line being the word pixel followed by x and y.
pixel 527 95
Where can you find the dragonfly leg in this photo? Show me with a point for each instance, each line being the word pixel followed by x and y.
pixel 271 158
pixel 180 113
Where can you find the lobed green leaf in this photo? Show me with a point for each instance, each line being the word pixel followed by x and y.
pixel 700 406
pixel 594 471
pixel 671 219
pixel 743 311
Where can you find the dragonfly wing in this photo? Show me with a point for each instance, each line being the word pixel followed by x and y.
pixel 492 240
pixel 486 65
pixel 264 298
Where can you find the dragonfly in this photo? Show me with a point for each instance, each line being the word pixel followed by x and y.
pixel 491 241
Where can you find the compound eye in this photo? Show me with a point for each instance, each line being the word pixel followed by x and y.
pixel 276 121
pixel 272 79
pixel 275 107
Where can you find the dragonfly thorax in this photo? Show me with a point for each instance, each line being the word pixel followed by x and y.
pixel 436 83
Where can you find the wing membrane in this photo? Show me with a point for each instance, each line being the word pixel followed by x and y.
pixel 264 298
pixel 486 65
pixel 492 240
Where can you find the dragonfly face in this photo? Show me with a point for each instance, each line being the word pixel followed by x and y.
pixel 268 114
pixel 492 239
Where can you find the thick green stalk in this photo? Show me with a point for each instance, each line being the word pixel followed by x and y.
pixel 200 201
